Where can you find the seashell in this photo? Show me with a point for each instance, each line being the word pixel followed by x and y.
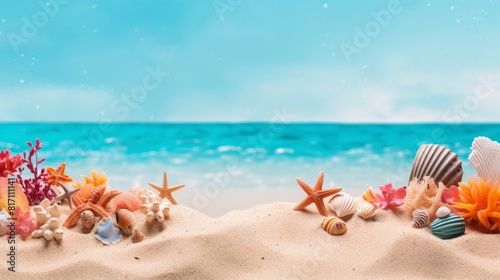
pixel 437 162
pixel 420 218
pixel 343 204
pixel 4 221
pixel 366 210
pixel 124 200
pixel 137 235
pixel 88 219
pixel 125 220
pixel 369 195
pixel 334 225
pixel 443 211
pixel 107 233
pixel 485 158
pixel 448 227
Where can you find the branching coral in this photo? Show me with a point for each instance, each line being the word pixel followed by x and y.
pixel 8 164
pixel 424 195
pixel 480 201
pixel 36 188
pixel 390 197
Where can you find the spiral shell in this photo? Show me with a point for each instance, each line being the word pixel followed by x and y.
pixel 137 235
pixel 334 225
pixel 443 211
pixel 448 227
pixel 88 219
pixel 420 218
pixel 369 195
pixel 343 204
pixel 125 220
pixel 366 210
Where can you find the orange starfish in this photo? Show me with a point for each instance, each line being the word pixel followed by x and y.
pixel 165 191
pixel 316 195
pixel 57 176
pixel 96 202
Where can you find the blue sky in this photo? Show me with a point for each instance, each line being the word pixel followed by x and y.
pixel 240 60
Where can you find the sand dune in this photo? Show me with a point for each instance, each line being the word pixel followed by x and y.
pixel 268 242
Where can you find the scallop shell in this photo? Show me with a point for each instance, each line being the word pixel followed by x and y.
pixel 124 200
pixel 334 225
pixel 369 195
pixel 420 218
pixel 88 219
pixel 137 235
pixel 125 220
pixel 448 227
pixel 343 204
pixel 366 210
pixel 443 211
pixel 485 158
pixel 437 162
pixel 107 233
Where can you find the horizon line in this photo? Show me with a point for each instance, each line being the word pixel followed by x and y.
pixel 250 122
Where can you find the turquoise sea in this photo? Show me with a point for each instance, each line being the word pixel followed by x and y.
pixel 247 155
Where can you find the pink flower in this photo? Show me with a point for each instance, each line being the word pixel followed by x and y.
pixel 390 197
pixel 24 223
pixel 450 195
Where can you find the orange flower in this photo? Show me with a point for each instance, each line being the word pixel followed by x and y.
pixel 480 201
pixel 57 176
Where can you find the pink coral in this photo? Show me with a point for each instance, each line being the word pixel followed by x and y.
pixel 8 164
pixel 450 195
pixel 24 223
pixel 390 197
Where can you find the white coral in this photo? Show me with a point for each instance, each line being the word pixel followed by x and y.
pixel 154 208
pixel 48 217
pixel 45 212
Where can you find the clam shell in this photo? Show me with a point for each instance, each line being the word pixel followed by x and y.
pixel 437 162
pixel 137 235
pixel 485 158
pixel 443 211
pixel 124 200
pixel 107 233
pixel 369 195
pixel 448 227
pixel 88 219
pixel 420 218
pixel 343 204
pixel 125 220
pixel 334 225
pixel 366 210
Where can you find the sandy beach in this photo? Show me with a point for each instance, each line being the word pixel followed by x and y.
pixel 268 241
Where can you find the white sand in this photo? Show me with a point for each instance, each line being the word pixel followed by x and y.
pixel 265 242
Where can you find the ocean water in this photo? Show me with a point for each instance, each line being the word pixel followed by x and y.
pixel 243 156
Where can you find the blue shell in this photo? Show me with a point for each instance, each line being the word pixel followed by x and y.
pixel 107 233
pixel 448 227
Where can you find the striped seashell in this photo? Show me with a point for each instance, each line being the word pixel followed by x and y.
pixel 88 219
pixel 125 220
pixel 369 195
pixel 420 218
pixel 124 200
pixel 437 162
pixel 366 210
pixel 137 235
pixel 334 225
pixel 448 227
pixel 343 204
pixel 443 211
pixel 485 158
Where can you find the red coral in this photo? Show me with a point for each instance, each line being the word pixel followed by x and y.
pixel 36 188
pixel 390 197
pixel 24 223
pixel 8 165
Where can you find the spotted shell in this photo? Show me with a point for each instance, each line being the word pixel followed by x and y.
pixel 369 195
pixel 137 235
pixel 125 220
pixel 88 219
pixel 334 225
pixel 366 210
pixel 420 218
pixel 343 204
pixel 443 211
pixel 448 227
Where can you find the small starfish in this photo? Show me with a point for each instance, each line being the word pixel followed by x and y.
pixel 57 176
pixel 315 195
pixel 96 202
pixel 66 195
pixel 165 190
